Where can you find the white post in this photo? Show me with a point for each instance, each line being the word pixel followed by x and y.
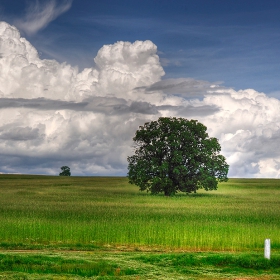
pixel 267 249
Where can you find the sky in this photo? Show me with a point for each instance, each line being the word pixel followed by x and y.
pixel 77 78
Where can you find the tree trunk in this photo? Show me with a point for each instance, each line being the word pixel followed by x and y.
pixel 167 193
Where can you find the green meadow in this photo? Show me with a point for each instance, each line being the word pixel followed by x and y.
pixel 46 222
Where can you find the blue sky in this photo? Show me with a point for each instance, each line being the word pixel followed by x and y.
pixel 77 78
pixel 236 42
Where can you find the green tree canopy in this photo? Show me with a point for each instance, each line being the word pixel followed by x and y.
pixel 176 155
pixel 65 171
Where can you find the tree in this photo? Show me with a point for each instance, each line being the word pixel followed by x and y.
pixel 176 155
pixel 65 171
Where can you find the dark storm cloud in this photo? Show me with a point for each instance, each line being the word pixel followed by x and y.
pixel 115 106
pixel 186 87
pixel 40 104
pixel 191 111
pixel 20 134
pixel 106 105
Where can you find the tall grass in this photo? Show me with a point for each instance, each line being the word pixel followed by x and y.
pixel 96 211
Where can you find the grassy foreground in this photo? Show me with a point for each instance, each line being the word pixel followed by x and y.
pixel 136 265
pixel 126 233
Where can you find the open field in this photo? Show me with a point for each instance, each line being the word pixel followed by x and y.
pixel 114 222
pixel 92 212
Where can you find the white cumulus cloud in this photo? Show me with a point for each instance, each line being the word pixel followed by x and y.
pixel 52 115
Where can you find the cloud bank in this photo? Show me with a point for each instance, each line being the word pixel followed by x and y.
pixel 52 115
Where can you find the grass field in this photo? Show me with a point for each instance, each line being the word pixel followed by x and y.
pixel 136 265
pixel 109 215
